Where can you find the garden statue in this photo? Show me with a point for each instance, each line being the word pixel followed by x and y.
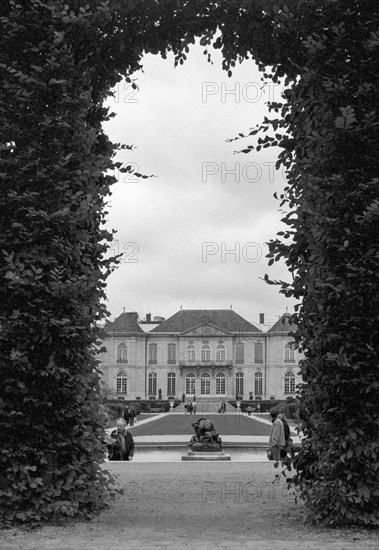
pixel 206 439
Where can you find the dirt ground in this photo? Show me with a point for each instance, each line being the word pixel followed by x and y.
pixel 187 505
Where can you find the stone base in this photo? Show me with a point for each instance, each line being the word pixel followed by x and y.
pixel 215 455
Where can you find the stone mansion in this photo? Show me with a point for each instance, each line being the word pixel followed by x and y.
pixel 213 354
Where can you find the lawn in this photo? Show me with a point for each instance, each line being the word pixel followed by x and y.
pixel 180 424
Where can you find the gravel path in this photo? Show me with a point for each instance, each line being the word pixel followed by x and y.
pixel 198 506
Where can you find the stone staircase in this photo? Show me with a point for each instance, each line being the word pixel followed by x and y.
pixel 206 406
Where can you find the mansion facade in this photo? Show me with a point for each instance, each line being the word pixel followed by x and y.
pixel 213 354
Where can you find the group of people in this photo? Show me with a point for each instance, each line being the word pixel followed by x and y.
pixel 120 443
pixel 190 407
pixel 130 416
pixel 280 443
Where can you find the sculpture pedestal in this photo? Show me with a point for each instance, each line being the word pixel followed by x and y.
pixel 201 455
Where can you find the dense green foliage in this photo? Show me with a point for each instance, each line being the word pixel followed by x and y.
pixel 327 55
pixel 53 158
pixel 58 62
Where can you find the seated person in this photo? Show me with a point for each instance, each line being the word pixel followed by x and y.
pixel 123 446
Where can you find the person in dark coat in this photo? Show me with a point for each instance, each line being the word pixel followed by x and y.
pixel 126 415
pixel 287 434
pixel 122 447
pixel 132 417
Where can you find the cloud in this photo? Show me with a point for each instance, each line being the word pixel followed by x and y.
pixel 179 120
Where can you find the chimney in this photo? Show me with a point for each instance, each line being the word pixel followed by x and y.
pixel 261 318
pixel 148 317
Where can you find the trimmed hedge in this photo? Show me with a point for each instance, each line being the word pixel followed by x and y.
pixel 116 407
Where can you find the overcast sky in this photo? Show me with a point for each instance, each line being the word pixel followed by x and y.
pixel 194 235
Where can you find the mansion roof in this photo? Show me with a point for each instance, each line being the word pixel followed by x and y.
pixel 126 322
pixel 225 319
pixel 284 325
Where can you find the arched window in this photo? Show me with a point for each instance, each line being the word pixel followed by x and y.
pixel 220 383
pixel 220 353
pixel 239 383
pixel 289 354
pixel 152 383
pixel 171 383
pixel 122 383
pixel 258 383
pixel 191 354
pixel 205 388
pixel 205 354
pixel 289 383
pixel 122 354
pixel 190 384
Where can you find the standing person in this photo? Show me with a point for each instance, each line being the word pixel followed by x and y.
pixel 189 407
pixel 186 407
pixel 126 415
pixel 287 434
pixel 122 448
pixel 277 438
pixel 194 407
pixel 132 417
pixel 183 397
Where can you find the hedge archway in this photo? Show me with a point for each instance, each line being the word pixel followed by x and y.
pixel 58 63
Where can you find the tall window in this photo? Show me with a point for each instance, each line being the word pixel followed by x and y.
pixel 152 353
pixel 220 353
pixel 122 354
pixel 171 353
pixel 289 354
pixel 220 383
pixel 205 388
pixel 258 383
pixel 258 352
pixel 205 354
pixel 121 383
pixel 240 353
pixel 190 383
pixel 239 383
pixel 191 354
pixel 171 383
pixel 289 383
pixel 152 383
